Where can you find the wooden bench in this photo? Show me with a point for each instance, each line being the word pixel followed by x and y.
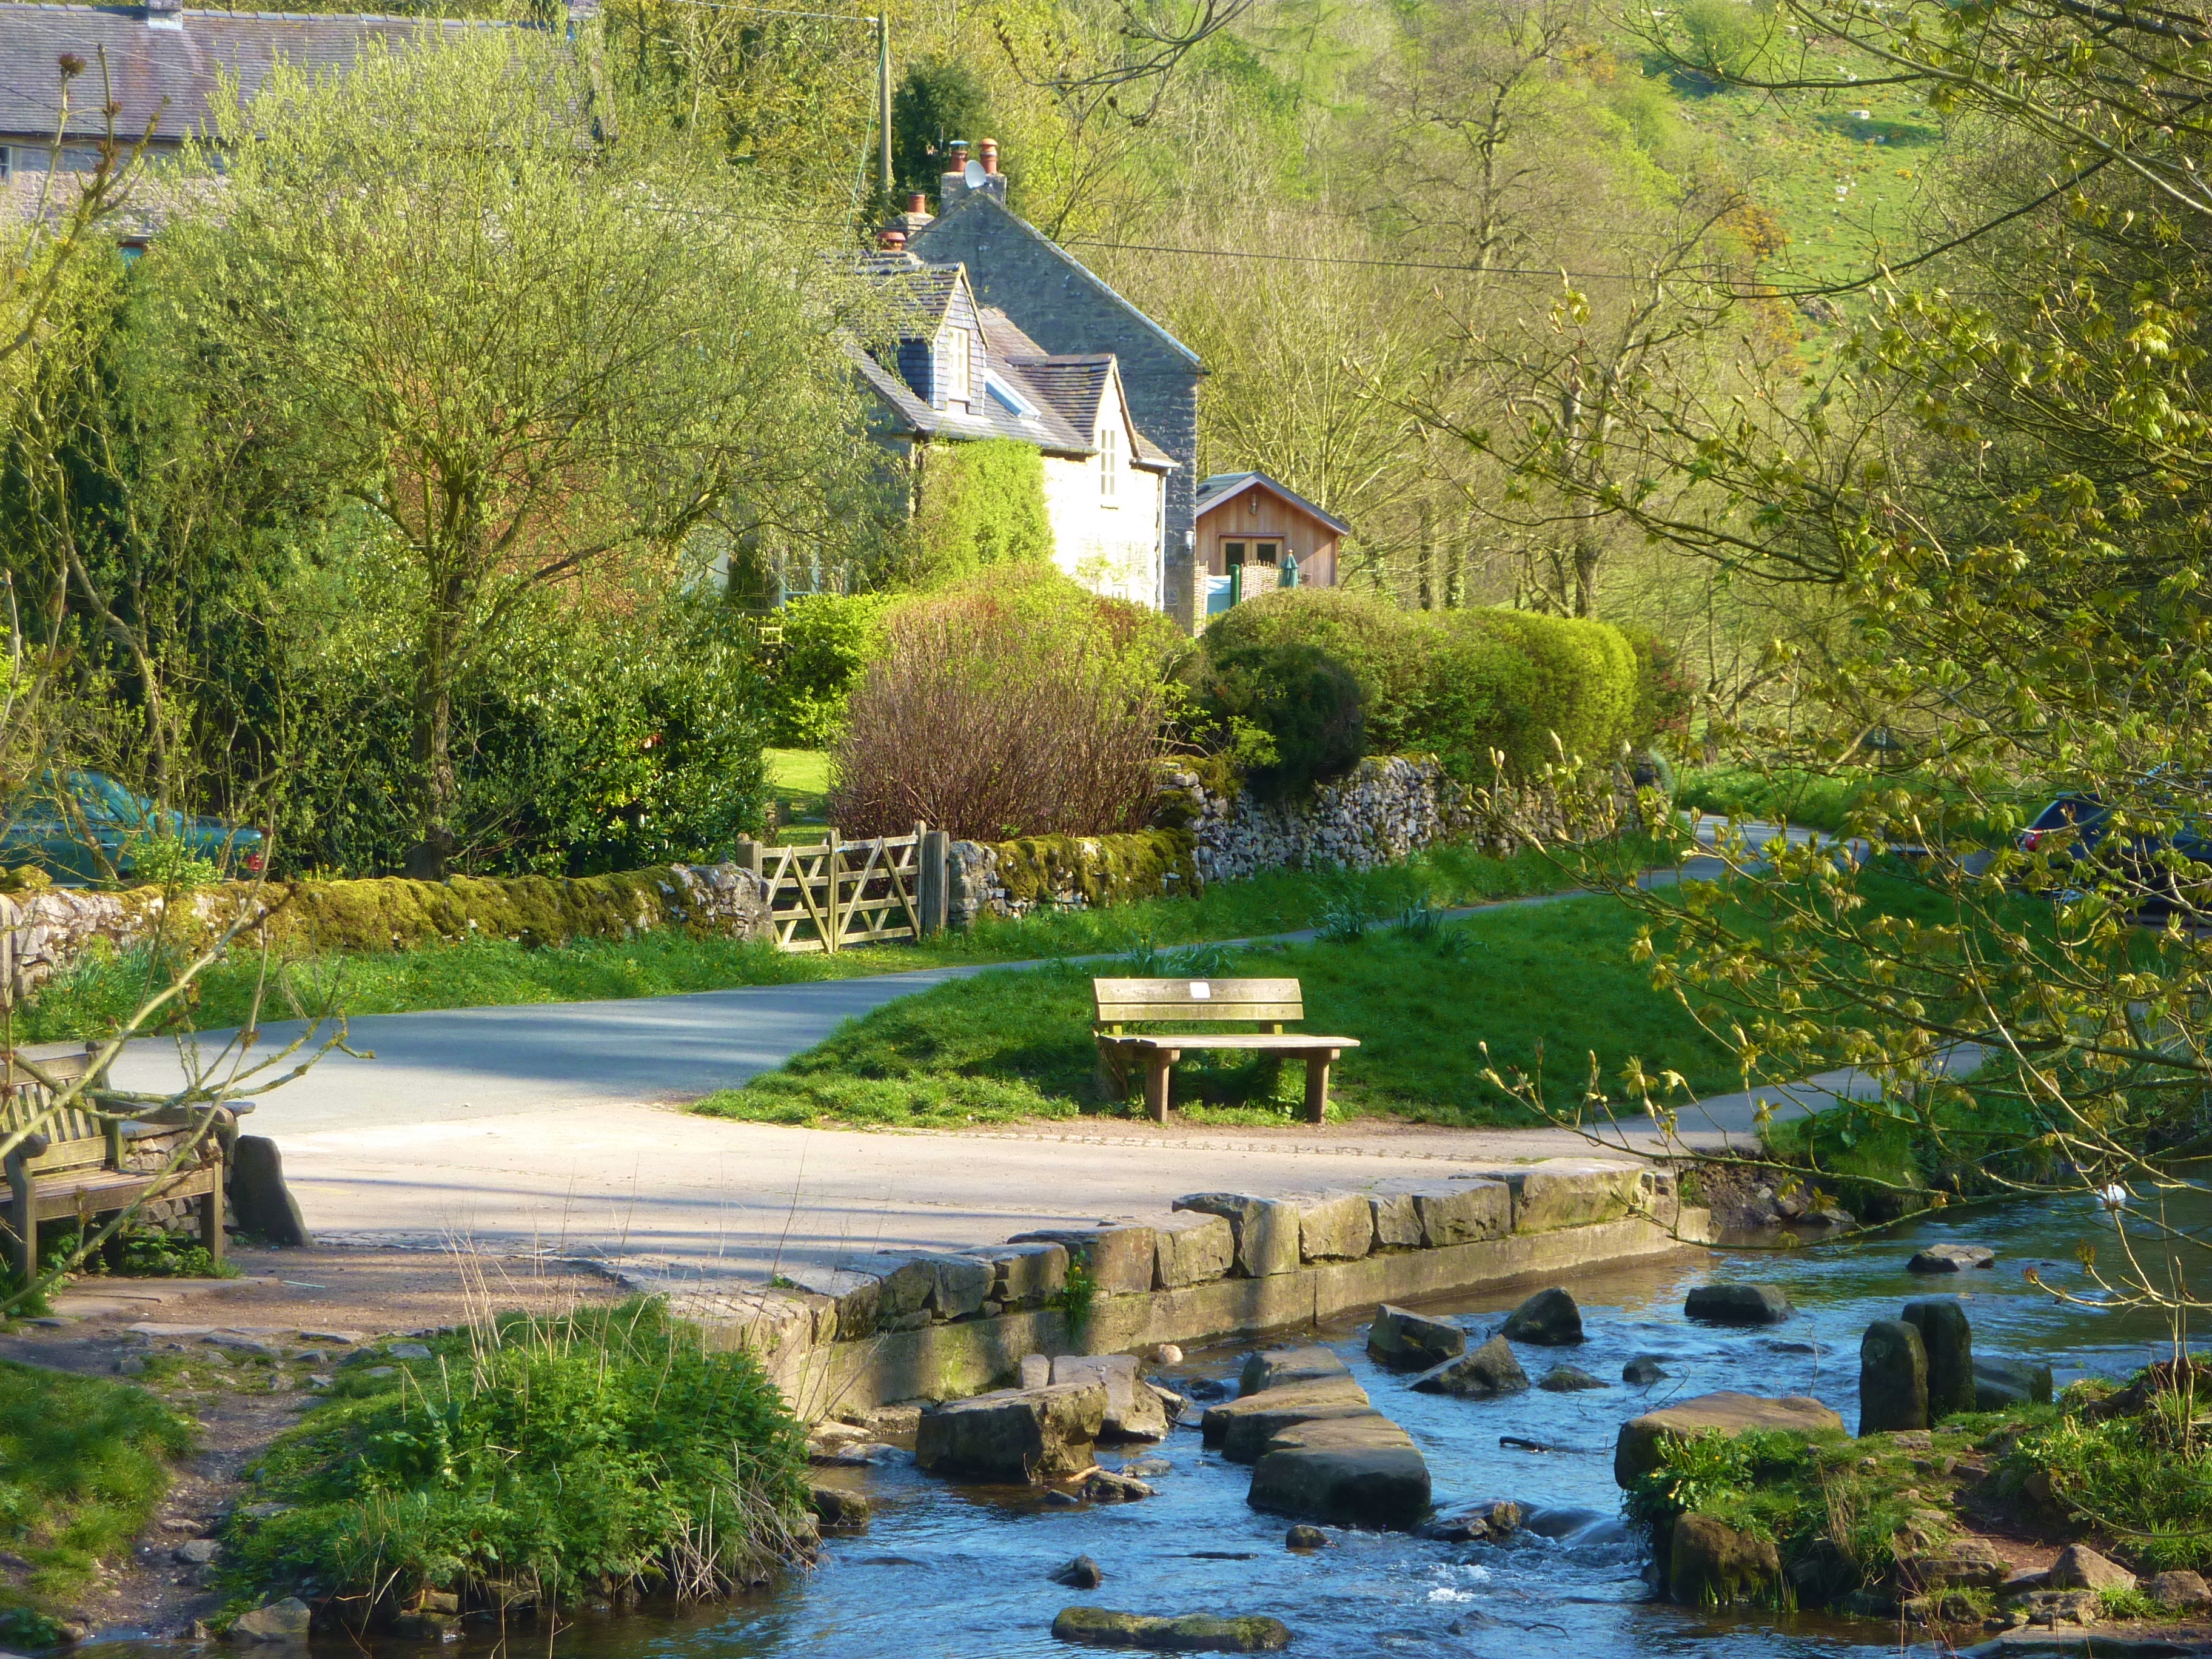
pixel 72 1168
pixel 1268 1002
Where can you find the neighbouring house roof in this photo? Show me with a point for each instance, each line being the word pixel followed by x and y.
pixel 1228 486
pixel 1059 394
pixel 168 76
pixel 1075 384
pixel 984 202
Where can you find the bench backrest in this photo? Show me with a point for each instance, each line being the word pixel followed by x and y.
pixel 1271 1001
pixel 79 1137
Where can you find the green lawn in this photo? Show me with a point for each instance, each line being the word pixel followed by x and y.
pixel 83 1464
pixel 799 784
pixel 486 973
pixel 1544 986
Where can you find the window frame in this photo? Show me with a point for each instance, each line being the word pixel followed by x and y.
pixel 1110 466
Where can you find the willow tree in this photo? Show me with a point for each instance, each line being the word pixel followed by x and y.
pixel 2007 486
pixel 521 346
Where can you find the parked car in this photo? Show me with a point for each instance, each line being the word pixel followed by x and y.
pixel 81 825
pixel 2074 828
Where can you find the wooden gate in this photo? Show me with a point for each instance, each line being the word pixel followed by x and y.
pixel 837 894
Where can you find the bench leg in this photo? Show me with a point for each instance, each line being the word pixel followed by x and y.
pixel 211 1217
pixel 1113 1077
pixel 1157 1068
pixel 1317 1066
pixel 23 1220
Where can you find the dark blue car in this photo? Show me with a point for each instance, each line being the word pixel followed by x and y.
pixel 2074 831
pixel 85 827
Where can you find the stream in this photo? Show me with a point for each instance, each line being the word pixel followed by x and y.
pixel 950 1571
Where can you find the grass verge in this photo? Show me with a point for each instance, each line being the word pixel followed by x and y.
pixel 528 1461
pixel 83 1464
pixel 1542 987
pixel 94 997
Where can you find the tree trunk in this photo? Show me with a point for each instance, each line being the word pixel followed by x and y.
pixel 1428 558
pixel 437 791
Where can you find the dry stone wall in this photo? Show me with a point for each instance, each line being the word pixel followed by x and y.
pixel 45 931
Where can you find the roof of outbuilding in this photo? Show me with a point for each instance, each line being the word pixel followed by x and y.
pixel 1227 486
pixel 167 77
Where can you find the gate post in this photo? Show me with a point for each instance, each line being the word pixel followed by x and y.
pixel 747 855
pixel 834 867
pixel 931 854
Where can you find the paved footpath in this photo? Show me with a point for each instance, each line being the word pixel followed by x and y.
pixel 558 1127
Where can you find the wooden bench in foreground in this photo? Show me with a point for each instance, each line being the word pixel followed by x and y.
pixel 1268 1002
pixel 72 1168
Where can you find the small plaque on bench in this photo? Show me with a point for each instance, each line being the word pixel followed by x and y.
pixel 1200 990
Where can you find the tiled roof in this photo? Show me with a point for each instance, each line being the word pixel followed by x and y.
pixel 986 416
pixel 1227 486
pixel 168 76
pixel 1075 384
pixel 1003 338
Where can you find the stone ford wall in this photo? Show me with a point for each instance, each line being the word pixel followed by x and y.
pixel 43 932
pixel 881 1327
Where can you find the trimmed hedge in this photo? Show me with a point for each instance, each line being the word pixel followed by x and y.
pixel 1104 869
pixel 1459 684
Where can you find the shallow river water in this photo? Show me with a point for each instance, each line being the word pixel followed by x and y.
pixel 953 1572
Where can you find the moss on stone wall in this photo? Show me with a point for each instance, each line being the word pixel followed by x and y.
pixel 1099 869
pixel 395 913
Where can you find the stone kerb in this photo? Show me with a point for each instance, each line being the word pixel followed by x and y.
pixel 951 1324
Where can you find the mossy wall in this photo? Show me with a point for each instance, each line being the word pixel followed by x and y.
pixel 1101 869
pixel 1012 877
pixel 52 927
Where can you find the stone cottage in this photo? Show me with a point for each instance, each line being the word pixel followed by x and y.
pixel 1053 300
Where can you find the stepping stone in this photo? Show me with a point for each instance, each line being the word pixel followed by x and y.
pixel 1952 1259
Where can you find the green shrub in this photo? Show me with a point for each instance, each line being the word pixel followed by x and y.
pixel 530 1459
pixel 980 504
pixel 1459 684
pixel 1307 703
pixel 829 640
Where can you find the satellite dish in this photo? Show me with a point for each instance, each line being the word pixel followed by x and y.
pixel 973 174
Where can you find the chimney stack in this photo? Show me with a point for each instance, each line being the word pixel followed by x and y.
pixel 165 14
pixel 955 186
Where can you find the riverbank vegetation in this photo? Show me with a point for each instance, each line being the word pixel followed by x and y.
pixel 526 1462
pixel 85 1463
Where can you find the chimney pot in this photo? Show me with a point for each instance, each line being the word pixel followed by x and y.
pixel 917 203
pixel 891 239
pixel 959 149
pixel 989 151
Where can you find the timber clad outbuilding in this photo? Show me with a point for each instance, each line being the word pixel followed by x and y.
pixel 1275 535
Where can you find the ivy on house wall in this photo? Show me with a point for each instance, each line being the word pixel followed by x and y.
pixel 978 503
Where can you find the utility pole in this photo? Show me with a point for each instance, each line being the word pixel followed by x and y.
pixel 884 93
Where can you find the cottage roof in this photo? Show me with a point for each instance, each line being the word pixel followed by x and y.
pixel 987 416
pixel 1005 339
pixel 982 201
pixel 168 76
pixel 1075 384
pixel 1228 486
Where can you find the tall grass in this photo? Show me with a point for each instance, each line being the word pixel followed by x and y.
pixel 532 1461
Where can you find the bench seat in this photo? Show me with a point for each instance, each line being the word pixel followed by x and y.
pixel 70 1168
pixel 1265 1001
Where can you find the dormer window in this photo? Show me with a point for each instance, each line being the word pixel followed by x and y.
pixel 1109 463
pixel 952 378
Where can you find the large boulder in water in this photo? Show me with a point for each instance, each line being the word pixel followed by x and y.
pixel 2001 1384
pixel 1238 1428
pixel 1636 1452
pixel 1411 1341
pixel 1271 1368
pixel 1952 1259
pixel 1134 1411
pixel 1949 1342
pixel 1490 1370
pixel 1359 1471
pixel 1711 1564
pixel 1549 1319
pixel 1194 1632
pixel 1738 1304
pixel 1015 1435
pixel 1892 1378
